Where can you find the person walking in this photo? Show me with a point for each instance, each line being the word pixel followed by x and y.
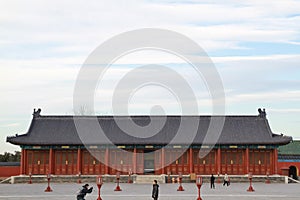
pixel 84 191
pixel 226 180
pixel 155 190
pixel 212 182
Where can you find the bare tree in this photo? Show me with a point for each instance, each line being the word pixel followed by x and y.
pixel 82 110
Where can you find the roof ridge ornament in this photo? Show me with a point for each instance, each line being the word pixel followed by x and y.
pixel 36 113
pixel 262 113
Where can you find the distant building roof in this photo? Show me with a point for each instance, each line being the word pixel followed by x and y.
pixel 9 163
pixel 288 158
pixel 61 130
pixel 293 148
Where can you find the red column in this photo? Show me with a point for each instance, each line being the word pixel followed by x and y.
pixel 23 164
pixel 191 160
pixel 219 160
pixel 216 161
pixel 134 160
pixel 275 161
pixel 163 160
pixel 51 161
pixel 107 161
pixel 79 168
pixel 246 167
pixel 25 161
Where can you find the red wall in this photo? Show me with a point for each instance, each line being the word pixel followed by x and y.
pixel 7 171
pixel 286 165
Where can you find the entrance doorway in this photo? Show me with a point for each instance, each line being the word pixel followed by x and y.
pixel 149 162
pixel 293 172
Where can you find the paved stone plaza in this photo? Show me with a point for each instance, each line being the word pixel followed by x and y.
pixel 143 192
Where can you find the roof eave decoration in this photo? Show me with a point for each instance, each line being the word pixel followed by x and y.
pixel 36 113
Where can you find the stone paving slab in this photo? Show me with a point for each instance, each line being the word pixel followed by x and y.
pixel 236 191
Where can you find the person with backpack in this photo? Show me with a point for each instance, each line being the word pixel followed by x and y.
pixel 226 180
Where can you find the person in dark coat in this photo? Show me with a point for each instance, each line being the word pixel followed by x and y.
pixel 84 191
pixel 155 190
pixel 212 181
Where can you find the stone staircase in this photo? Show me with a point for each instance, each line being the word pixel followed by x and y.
pixel 7 180
pixel 148 179
pixel 291 180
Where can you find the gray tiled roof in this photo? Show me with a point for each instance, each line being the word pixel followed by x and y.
pixel 6 164
pixel 61 130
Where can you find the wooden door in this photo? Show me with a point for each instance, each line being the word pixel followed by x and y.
pixel 92 162
pixel 37 162
pixel 204 161
pixel 120 161
pixel 260 161
pixel 177 161
pixel 140 161
pixel 232 161
pixel 65 162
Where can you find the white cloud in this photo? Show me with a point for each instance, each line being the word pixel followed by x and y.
pixel 82 24
pixel 256 58
pixel 10 125
pixel 44 43
pixel 264 97
pixel 288 110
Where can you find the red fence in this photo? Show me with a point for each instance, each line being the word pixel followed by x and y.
pixel 7 171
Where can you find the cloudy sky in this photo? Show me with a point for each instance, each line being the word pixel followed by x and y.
pixel 255 47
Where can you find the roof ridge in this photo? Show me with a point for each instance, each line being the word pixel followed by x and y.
pixel 91 116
